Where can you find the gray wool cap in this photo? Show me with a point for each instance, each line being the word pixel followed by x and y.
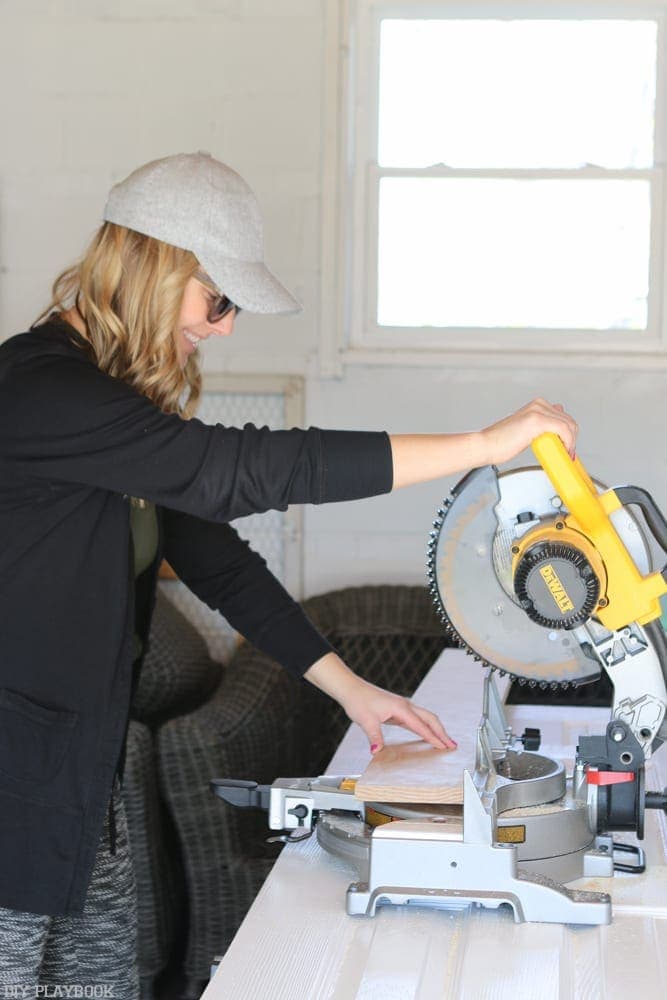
pixel 194 202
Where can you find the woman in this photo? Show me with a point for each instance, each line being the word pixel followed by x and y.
pixel 102 476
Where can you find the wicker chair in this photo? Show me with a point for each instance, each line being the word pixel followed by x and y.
pixel 261 724
pixel 177 676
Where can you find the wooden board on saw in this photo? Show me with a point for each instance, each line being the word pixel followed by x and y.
pixel 415 772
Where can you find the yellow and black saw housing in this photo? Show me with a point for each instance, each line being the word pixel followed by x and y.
pixel 577 566
pixel 522 563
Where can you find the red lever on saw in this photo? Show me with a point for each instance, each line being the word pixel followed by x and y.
pixel 609 777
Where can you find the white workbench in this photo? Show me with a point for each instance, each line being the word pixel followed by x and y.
pixel 298 943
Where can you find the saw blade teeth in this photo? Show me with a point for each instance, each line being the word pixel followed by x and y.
pixel 440 601
pixel 437 598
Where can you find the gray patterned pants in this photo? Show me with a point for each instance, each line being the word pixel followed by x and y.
pixel 91 955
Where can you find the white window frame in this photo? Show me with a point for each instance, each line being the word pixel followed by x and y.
pixel 350 333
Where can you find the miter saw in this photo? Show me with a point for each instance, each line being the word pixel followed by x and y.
pixel 544 575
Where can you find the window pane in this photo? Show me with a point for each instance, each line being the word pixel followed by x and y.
pixel 518 93
pixel 566 254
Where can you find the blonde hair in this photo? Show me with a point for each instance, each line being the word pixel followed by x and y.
pixel 128 290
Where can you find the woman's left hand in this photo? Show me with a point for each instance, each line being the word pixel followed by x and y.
pixel 371 707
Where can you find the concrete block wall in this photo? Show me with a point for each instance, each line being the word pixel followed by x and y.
pixel 92 88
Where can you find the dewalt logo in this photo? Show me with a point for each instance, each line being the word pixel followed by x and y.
pixel 556 588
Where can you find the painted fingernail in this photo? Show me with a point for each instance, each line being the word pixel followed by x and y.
pixel 374 747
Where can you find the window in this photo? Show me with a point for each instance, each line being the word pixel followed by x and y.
pixel 505 178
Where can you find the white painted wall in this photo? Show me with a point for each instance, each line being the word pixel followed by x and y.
pixel 92 88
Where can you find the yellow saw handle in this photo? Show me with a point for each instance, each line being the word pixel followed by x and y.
pixel 629 596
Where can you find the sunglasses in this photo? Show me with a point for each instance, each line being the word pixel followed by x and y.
pixel 221 305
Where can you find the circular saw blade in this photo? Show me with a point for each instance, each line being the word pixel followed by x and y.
pixel 470 573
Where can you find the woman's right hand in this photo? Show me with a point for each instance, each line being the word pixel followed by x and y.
pixel 508 437
pixel 417 458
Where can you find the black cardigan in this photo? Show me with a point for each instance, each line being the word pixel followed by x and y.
pixel 75 444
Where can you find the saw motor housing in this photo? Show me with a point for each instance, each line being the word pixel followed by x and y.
pixel 559 577
pixel 576 566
